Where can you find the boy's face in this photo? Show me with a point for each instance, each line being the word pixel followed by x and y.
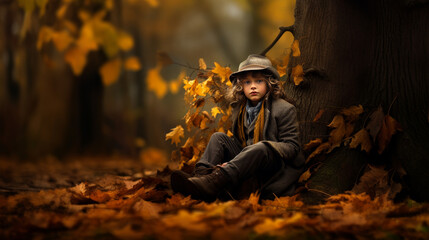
pixel 254 86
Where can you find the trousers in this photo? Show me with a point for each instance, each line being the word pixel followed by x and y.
pixel 254 161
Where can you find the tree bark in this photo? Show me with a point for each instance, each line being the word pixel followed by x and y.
pixel 369 53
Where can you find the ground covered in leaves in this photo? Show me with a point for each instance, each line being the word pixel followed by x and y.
pixel 116 198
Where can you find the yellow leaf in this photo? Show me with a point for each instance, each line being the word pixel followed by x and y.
pixel 204 123
pixel 175 134
pixel 45 35
pixel 62 40
pixel 155 82
pixel 132 63
pixel 363 139
pixel 229 133
pixel 110 71
pixel 298 74
pixel 223 72
pixel 295 49
pixel 87 39
pixel 216 111
pixel 202 64
pixel 125 41
pixel 175 84
pixel 42 6
pixel 76 57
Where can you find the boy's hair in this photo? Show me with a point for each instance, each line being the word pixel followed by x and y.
pixel 275 89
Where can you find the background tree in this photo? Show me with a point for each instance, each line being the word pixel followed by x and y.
pixel 373 53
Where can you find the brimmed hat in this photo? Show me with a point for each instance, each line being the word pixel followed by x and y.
pixel 252 63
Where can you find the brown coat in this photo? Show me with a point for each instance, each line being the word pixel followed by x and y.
pixel 281 134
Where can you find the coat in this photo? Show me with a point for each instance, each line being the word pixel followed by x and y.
pixel 281 134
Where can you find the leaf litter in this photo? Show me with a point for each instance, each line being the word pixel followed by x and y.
pixel 116 201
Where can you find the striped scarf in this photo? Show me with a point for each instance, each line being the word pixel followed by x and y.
pixel 259 124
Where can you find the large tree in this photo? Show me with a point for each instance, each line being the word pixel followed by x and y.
pixel 373 53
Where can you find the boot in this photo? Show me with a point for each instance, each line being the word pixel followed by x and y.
pixel 201 171
pixel 205 187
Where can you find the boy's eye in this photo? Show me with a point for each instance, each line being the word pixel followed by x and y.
pixel 259 81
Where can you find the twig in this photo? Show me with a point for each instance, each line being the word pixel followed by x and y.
pixel 291 29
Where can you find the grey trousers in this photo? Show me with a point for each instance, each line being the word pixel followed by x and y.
pixel 257 160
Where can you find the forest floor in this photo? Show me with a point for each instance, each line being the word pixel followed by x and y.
pixel 116 198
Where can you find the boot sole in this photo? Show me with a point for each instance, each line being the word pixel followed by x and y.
pixel 181 184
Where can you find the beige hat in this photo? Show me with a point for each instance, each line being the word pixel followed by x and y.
pixel 252 63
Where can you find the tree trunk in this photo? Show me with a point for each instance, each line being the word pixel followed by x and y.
pixel 370 53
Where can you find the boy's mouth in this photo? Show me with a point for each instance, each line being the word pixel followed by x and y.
pixel 254 93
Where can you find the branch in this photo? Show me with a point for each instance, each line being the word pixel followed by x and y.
pixel 290 29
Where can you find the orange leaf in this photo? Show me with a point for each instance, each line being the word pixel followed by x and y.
pixel 298 74
pixel 175 134
pixel 361 138
pixel 132 63
pixel 223 72
pixel 62 40
pixel 295 49
pixel 110 71
pixel 202 64
pixel 305 176
pixel 76 57
pixel 389 127
pixel 312 144
pixel 216 111
pixel 125 41
pixel 318 115
pixel 320 149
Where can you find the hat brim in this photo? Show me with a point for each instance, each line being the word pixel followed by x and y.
pixel 272 70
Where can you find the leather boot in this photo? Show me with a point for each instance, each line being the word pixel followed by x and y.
pixel 207 187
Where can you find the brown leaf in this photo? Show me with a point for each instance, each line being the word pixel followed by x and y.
pixel 318 115
pixel 372 178
pixel 312 144
pixel 352 113
pixel 305 176
pixel 163 59
pixel 374 125
pixel 389 127
pixel 363 139
pixel 338 133
pixel 322 148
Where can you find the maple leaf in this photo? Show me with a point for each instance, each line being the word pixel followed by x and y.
pixel 389 127
pixel 215 111
pixel 295 49
pixel 363 139
pixel 155 82
pixel 175 134
pixel 110 71
pixel 298 74
pixel 202 64
pixel 223 72
pixel 132 63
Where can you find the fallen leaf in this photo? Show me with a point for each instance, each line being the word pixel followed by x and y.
pixel 362 139
pixel 175 134
pixel 374 177
pixel 305 176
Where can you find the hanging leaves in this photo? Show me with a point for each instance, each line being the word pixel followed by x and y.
pixel 361 139
pixel 388 128
pixel 110 71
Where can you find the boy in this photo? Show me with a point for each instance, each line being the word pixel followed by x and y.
pixel 265 145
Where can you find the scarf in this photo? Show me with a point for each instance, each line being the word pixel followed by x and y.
pixel 259 124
